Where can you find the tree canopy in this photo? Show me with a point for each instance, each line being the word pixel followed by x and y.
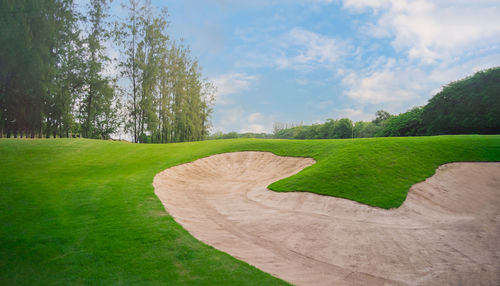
pixel 55 78
pixel 467 106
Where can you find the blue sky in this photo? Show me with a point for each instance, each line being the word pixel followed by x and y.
pixel 307 61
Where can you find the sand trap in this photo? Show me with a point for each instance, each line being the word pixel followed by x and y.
pixel 446 233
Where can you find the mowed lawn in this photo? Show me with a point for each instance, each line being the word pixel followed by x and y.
pixel 75 211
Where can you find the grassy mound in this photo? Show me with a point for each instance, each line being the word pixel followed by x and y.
pixel 84 211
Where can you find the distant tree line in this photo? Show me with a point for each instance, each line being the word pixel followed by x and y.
pixel 467 106
pixel 331 129
pixel 234 135
pixel 57 80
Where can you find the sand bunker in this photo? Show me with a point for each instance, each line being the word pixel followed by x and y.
pixel 446 233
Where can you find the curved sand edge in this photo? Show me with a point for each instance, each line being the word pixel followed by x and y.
pixel 446 232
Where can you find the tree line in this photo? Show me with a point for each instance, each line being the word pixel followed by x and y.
pixel 234 135
pixel 57 78
pixel 467 106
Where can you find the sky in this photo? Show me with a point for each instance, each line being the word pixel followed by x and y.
pixel 307 61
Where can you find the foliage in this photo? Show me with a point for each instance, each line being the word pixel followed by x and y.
pixel 364 129
pixel 233 135
pixel 381 116
pixel 331 129
pixel 343 129
pixel 38 66
pixel 168 99
pixel 54 79
pixel 467 106
pixel 99 103
pixel 77 211
pixel 404 124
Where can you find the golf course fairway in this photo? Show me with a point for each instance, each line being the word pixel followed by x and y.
pixel 77 211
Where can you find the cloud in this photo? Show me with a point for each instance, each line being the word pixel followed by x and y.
pixel 254 128
pixel 230 84
pixel 258 123
pixel 238 119
pixel 325 2
pixel 433 31
pixel 305 48
pixel 383 86
pixel 241 4
pixel 355 114
pixel 397 85
pixel 435 43
pixel 362 5
pixel 228 118
pixel 255 117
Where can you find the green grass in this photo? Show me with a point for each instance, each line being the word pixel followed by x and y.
pixel 84 211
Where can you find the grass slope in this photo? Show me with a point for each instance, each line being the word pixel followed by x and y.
pixel 84 211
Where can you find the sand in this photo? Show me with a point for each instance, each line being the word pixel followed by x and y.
pixel 447 232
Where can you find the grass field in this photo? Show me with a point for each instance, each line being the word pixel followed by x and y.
pixel 84 212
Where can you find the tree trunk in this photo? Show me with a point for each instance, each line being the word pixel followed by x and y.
pixel 54 130
pixel 47 132
pixel 89 109
pixel 134 83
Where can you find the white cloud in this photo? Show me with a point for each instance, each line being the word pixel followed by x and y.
pixel 433 31
pixel 311 48
pixel 238 119
pixel 399 85
pixel 362 5
pixel 264 3
pixel 255 117
pixel 258 123
pixel 254 128
pixel 385 85
pixel 440 41
pixel 230 84
pixel 228 118
pixel 355 114
pixel 324 1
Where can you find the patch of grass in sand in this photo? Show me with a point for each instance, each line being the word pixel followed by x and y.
pixel 380 171
pixel 84 212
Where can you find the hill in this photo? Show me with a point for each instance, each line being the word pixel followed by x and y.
pixel 84 212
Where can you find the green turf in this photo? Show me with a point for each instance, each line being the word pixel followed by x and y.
pixel 84 211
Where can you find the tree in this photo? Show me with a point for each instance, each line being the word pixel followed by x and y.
pixel 381 116
pixel 99 102
pixel 365 129
pixel 343 128
pixel 278 126
pixel 150 52
pixel 404 124
pixel 329 129
pixel 170 102
pixel 67 79
pixel 37 40
pixel 53 80
pixel 128 36
pixel 470 105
